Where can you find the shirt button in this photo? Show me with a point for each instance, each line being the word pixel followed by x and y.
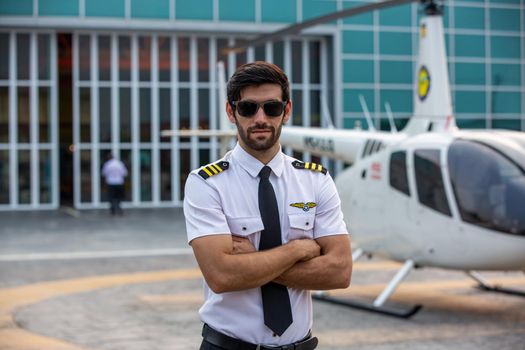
pixel 274 335
pixel 244 228
pixel 307 223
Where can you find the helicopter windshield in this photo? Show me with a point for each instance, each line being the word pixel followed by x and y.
pixel 489 188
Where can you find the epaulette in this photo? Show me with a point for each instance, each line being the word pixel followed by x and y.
pixel 309 166
pixel 213 169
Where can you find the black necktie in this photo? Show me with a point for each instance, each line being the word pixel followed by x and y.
pixel 275 298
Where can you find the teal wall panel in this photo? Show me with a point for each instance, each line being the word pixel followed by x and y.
pixel 237 10
pixel 470 73
pixel 504 19
pixel 464 123
pixel 506 102
pixel 351 99
pixel 105 8
pixel 396 16
pixel 358 42
pixel 470 45
pixel 358 71
pixel 392 43
pixel 469 102
pixel 505 47
pixel 506 74
pixel 396 72
pixel 58 8
pixel 150 9
pixel 399 100
pixel 194 10
pixel 279 11
pixel 365 18
pixel 17 8
pixel 512 124
pixel 470 17
pixel 316 8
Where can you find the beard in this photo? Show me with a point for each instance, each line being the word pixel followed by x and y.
pixel 259 144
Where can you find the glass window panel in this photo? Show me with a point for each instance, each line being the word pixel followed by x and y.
pixel 287 11
pixel 297 107
pixel 315 108
pixel 104 58
pixel 103 155
pixel 506 74
pixel 85 114
pixel 395 43
pixel 23 114
pixel 396 16
pixel 164 112
pixel 506 102
pixel 315 62
pixel 126 158
pixel 45 176
pixel 260 53
pixel 429 180
pixel 85 176
pixel 164 58
pixel 4 177
pixel 105 8
pixel 57 8
pixel 24 177
pixel 399 100
pixel 125 114
pixel 124 51
pixel 19 7
pixel 4 114
pixel 469 102
pixel 358 41
pixel 184 110
pixel 203 57
pixel 204 156
pixel 398 172
pixel 104 114
pixel 44 59
pixel 278 54
pixel 184 169
pixel 22 55
pixel 183 45
pixel 145 115
pixel 316 8
pixel 470 73
pixel 150 9
pixel 222 44
pixel 144 58
pixel 511 124
pixel 229 10
pixel 297 59
pixel 204 111
pixel 165 175
pixel 145 175
pixel 44 114
pixel 351 99
pixel 358 71
pixel 470 17
pixel 84 57
pixel 396 72
pixel 241 58
pixel 195 9
pixel 365 18
pixel 470 46
pixel 354 122
pixel 505 19
pixel 470 123
pixel 505 47
pixel 4 56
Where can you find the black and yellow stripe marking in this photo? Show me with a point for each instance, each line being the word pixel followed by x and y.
pixel 213 169
pixel 309 166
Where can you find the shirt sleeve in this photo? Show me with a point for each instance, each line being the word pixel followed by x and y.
pixel 329 217
pixel 202 209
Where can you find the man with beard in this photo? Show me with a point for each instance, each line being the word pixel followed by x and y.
pixel 265 228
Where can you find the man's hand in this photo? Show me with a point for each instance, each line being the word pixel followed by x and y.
pixel 308 247
pixel 242 245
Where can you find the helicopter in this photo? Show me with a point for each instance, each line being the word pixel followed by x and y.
pixel 429 195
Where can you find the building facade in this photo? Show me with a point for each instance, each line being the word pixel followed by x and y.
pixel 82 78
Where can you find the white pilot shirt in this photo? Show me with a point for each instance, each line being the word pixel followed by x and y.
pixel 228 203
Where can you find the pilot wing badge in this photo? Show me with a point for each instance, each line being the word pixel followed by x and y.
pixel 304 206
pixel 213 169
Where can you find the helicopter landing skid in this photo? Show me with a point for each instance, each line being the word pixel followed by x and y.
pixel 485 286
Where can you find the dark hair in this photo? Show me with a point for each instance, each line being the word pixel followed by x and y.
pixel 255 74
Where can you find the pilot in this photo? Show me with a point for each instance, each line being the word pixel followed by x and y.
pixel 265 228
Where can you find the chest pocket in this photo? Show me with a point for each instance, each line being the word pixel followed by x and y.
pixel 301 225
pixel 245 226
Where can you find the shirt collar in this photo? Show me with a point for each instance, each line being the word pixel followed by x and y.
pixel 253 166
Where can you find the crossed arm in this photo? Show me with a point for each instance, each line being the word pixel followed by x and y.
pixel 232 263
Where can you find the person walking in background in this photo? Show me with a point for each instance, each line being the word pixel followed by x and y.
pixel 265 228
pixel 114 171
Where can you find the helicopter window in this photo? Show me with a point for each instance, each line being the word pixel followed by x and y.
pixel 429 180
pixel 398 172
pixel 489 187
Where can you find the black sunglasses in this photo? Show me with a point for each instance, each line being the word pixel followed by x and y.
pixel 249 108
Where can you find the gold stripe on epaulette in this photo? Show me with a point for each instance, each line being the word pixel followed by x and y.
pixel 210 170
